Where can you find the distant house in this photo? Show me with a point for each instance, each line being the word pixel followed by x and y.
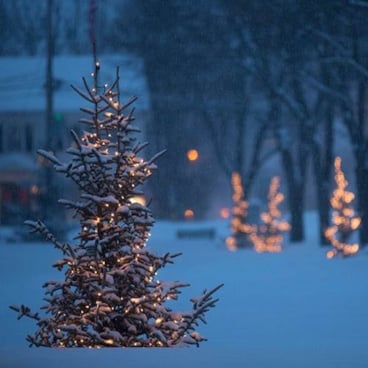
pixel 23 121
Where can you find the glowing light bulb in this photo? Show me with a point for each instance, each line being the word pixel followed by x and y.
pixel 192 155
pixel 188 213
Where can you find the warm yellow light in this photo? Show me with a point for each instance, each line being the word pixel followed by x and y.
pixel 354 248
pixel 355 223
pixel 34 189
pixel 225 213
pixel 192 155
pixel 188 214
pixel 231 244
pixel 138 199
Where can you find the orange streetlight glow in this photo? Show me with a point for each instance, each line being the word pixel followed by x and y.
pixel 192 155
pixel 34 189
pixel 188 214
pixel 138 199
pixel 225 213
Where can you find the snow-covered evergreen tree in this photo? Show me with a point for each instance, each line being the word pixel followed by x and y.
pixel 267 237
pixel 239 226
pixel 110 295
pixel 344 219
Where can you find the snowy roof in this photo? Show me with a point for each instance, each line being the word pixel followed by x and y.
pixel 22 80
pixel 17 162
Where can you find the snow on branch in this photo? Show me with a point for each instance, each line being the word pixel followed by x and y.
pixel 39 226
pixel 24 311
pixel 88 97
pixel 49 156
pixel 201 305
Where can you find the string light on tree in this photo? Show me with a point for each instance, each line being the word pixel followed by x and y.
pixel 109 296
pixel 268 237
pixel 239 228
pixel 344 220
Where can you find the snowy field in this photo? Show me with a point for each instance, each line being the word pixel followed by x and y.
pixel 293 309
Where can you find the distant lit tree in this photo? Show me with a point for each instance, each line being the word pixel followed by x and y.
pixel 239 226
pixel 110 295
pixel 344 219
pixel 268 237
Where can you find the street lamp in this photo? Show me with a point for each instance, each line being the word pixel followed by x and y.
pixel 192 155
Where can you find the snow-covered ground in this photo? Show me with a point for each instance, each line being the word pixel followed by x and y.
pixel 293 309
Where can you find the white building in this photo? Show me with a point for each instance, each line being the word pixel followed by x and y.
pixel 23 120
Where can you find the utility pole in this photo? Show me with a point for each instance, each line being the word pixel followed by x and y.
pixel 47 199
pixel 49 73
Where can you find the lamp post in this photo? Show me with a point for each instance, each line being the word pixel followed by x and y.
pixel 192 155
pixel 49 105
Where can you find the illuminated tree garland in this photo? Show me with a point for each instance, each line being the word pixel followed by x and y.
pixel 109 295
pixel 268 237
pixel 344 220
pixel 239 228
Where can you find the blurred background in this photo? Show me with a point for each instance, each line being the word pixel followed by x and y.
pixel 262 88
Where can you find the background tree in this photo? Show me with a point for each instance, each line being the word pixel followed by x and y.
pixel 298 88
pixel 26 35
pixel 322 81
pixel 350 56
pixel 279 59
pixel 109 296
pixel 191 79
pixel 243 80
pixel 337 31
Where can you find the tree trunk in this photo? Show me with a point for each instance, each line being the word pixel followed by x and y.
pixel 360 150
pixel 362 199
pixel 322 193
pixel 323 163
pixel 296 211
pixel 49 193
pixel 294 173
pixel 295 190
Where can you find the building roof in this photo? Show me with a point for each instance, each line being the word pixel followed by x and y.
pixel 22 80
pixel 17 161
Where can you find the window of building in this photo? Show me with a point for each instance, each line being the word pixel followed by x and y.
pixel 29 138
pixel 13 138
pixel 1 139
